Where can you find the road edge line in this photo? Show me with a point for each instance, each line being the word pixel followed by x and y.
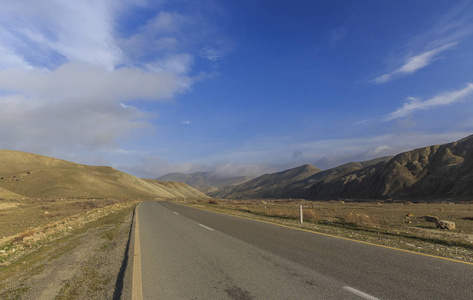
pixel 359 293
pixel 137 287
pixel 334 236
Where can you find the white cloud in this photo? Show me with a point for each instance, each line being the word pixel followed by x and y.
pixel 168 23
pixel 84 81
pixel 81 31
pixel 169 34
pixel 166 34
pixel 444 99
pixel 78 105
pixel 379 150
pixel 414 63
pixel 421 50
pixel 176 63
pixel 211 53
pixel 69 76
pixel 323 154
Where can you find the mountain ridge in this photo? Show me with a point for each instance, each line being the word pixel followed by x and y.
pixel 269 185
pixel 434 171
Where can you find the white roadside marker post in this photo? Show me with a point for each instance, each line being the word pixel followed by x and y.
pixel 301 218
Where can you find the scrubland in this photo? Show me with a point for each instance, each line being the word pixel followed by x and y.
pixel 19 215
pixel 399 224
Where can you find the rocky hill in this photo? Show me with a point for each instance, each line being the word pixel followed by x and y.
pixel 30 175
pixel 435 171
pixel 439 171
pixel 275 185
pixel 204 181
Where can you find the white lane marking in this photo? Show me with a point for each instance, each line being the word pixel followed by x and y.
pixel 359 293
pixel 206 227
pixel 175 212
pixel 137 288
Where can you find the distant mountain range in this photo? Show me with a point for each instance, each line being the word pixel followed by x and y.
pixel 204 181
pixel 439 171
pixel 30 175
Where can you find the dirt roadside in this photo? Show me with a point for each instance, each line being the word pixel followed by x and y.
pixel 83 262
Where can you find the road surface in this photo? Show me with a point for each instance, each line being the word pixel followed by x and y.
pixel 187 253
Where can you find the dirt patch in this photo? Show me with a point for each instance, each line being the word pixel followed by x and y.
pixel 8 205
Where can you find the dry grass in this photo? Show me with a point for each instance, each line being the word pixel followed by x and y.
pixel 22 215
pixel 24 234
pixel 399 224
pixel 376 215
pixel 359 220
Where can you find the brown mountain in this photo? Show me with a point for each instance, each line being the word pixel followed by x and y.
pixel 30 175
pixel 439 171
pixel 435 171
pixel 273 185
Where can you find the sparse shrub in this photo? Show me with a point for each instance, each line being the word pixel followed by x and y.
pixel 281 212
pixel 243 208
pixel 358 220
pixel 310 214
pixel 24 234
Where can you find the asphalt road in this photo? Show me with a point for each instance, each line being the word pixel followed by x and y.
pixel 187 253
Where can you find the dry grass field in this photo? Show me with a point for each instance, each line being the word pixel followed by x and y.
pixel 398 224
pixel 62 248
pixel 19 215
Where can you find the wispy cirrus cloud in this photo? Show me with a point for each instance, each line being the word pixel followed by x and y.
pixel 414 63
pixel 414 104
pixel 421 50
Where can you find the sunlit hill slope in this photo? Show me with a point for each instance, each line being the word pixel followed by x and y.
pixel 434 172
pixel 30 175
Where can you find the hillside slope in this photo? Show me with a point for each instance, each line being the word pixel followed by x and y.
pixel 269 185
pixel 439 171
pixel 435 171
pixel 8 194
pixel 178 189
pixel 32 175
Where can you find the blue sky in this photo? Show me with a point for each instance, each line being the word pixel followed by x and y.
pixel 238 87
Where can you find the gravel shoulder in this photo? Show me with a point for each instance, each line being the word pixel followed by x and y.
pixel 82 263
